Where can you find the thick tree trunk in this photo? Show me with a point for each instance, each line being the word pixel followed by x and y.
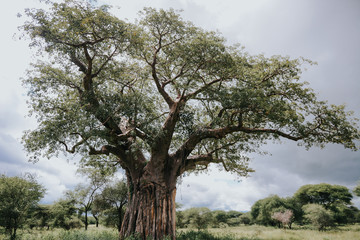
pixel 151 211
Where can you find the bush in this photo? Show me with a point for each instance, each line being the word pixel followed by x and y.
pixel 318 216
pixel 232 222
pixel 245 218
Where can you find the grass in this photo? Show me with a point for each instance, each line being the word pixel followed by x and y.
pixel 92 233
pixel 351 232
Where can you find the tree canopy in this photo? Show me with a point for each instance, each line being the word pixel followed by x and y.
pixel 17 196
pixel 323 194
pixel 162 97
pixel 108 83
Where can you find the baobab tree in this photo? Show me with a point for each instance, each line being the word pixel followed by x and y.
pixel 162 97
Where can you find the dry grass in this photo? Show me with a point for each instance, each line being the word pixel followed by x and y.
pixel 269 233
pixel 236 233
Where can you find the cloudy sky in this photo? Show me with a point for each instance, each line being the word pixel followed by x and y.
pixel 325 31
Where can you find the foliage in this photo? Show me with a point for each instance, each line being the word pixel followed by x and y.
pixel 318 216
pixel 357 190
pixel 223 219
pixel 263 209
pixel 64 214
pixel 180 219
pixel 335 198
pixel 17 196
pixel 202 218
pixel 103 71
pixel 199 218
pixel 323 194
pixel 40 216
pixel 245 218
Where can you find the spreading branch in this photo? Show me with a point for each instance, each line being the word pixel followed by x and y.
pixel 73 149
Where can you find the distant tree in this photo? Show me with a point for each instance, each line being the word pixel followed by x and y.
pixel 323 194
pixel 293 204
pixel 111 203
pixel 344 214
pixel 84 194
pixel 355 215
pixel 284 217
pixel 97 208
pixel 335 198
pixel 17 196
pixel 198 218
pixel 245 218
pixel 40 216
pixel 357 190
pixel 219 217
pixel 163 97
pixel 318 216
pixel 262 210
pixel 233 218
pixel 64 214
pixel 180 219
pixel 233 214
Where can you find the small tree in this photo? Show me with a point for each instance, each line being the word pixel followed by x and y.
pixel 111 203
pixel 41 216
pixel 318 216
pixel 284 217
pixel 84 194
pixel 17 196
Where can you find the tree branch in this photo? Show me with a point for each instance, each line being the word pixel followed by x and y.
pixel 161 89
pixel 104 63
pixel 193 94
pixel 78 63
pixel 193 161
pixel 185 150
pixel 73 149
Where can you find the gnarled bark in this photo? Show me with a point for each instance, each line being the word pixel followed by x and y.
pixel 151 211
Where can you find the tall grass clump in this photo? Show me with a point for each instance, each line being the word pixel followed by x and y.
pixel 204 235
pixel 60 234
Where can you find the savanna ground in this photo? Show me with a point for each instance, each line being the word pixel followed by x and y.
pixel 350 232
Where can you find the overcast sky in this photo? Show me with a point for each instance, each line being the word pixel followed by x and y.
pixel 325 31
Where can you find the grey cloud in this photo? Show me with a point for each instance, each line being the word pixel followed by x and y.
pixel 10 150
